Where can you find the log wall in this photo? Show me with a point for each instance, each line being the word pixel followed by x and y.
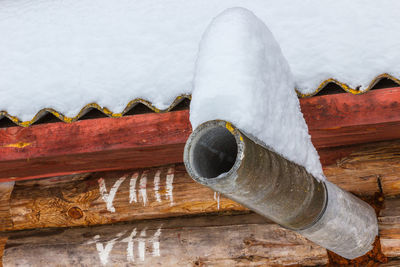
pixel 167 191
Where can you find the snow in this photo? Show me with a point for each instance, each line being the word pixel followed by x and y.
pixel 64 54
pixel 242 77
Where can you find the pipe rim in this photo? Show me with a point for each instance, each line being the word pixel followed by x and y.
pixel 197 134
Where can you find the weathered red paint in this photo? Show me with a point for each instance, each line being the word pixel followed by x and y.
pixel 344 119
pixel 98 144
pixel 154 139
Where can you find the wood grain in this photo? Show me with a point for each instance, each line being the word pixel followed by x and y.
pixel 368 169
pixel 389 228
pixel 245 240
pixel 147 140
pixel 5 194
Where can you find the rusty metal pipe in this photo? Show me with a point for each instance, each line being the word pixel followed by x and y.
pixel 220 156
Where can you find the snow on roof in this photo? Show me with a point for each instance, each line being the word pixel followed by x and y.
pixel 65 54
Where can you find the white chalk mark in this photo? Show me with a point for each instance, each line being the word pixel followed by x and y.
pixel 104 251
pixel 169 185
pixel 132 188
pixel 129 250
pixel 216 198
pixel 142 244
pixel 109 197
pixel 157 185
pixel 156 242
pixel 143 185
pixel 93 241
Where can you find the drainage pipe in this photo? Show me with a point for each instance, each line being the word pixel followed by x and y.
pixel 220 156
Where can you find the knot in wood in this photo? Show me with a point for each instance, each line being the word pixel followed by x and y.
pixel 75 213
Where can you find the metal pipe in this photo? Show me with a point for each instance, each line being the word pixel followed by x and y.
pixel 220 156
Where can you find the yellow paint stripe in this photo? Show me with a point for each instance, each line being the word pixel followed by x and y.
pixel 18 145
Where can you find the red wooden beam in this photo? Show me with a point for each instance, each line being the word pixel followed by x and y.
pixel 345 119
pixel 155 139
pixel 89 145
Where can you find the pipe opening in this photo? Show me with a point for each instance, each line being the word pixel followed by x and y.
pixel 214 152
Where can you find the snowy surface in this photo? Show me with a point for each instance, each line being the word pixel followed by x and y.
pixel 242 77
pixel 64 54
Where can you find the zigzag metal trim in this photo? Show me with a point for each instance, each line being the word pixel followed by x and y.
pixel 347 88
pixel 89 107
pixel 177 100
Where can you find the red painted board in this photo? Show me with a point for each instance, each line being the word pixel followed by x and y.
pixel 156 139
pixel 341 110
pixel 98 144
pixel 346 119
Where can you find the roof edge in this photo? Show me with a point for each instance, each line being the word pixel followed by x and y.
pixel 177 100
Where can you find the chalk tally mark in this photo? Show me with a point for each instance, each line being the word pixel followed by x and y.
pixel 132 188
pixel 109 197
pixel 104 249
pixel 169 185
pixel 143 187
pixel 130 256
pixel 140 194
pixel 156 183
pixel 142 190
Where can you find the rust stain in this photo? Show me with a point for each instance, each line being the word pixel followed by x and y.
pixel 375 257
pixel 18 145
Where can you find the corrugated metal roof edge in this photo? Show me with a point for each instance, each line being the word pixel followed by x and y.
pixel 177 100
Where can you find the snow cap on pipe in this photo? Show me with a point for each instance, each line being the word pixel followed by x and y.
pixel 241 76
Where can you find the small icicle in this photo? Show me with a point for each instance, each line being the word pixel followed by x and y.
pixel 216 198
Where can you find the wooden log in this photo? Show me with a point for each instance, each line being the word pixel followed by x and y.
pixel 155 139
pixel 108 197
pixel 368 169
pixel 389 228
pixel 241 240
